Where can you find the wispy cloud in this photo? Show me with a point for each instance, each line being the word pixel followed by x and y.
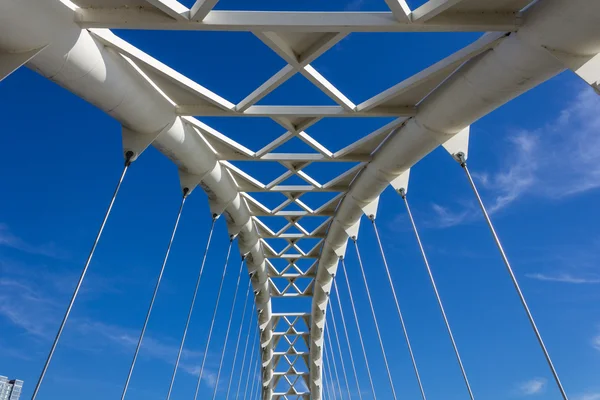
pixel 125 340
pixel 555 161
pixel 25 307
pixel 596 342
pixel 446 218
pixel 564 278
pixel 589 396
pixel 354 5
pixel 35 306
pixel 532 387
pixel 9 239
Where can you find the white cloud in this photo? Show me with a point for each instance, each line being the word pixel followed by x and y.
pixel 532 387
pixel 557 160
pixel 9 239
pixel 596 342
pixel 554 161
pixel 446 218
pixel 589 396
pixel 27 308
pixel 564 278
pixel 354 5
pixel 35 305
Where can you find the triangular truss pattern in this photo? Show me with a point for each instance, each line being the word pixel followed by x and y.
pixel 291 357
pixel 299 38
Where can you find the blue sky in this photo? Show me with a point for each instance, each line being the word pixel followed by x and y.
pixel 535 160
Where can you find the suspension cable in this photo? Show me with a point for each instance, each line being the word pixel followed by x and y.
pixel 385 360
pixel 513 278
pixel 362 343
pixel 325 386
pixel 254 373
pixel 328 369
pixel 437 296
pixel 337 294
pixel 239 337
pixel 250 367
pixel 257 393
pixel 335 369
pixel 158 281
pixel 214 317
pixel 190 312
pixel 337 340
pixel 239 385
pixel 405 331
pixel 237 287
pixel 128 157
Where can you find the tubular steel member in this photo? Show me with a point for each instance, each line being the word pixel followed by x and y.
pixel 128 160
pixel 460 157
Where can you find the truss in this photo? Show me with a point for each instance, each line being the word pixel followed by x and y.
pixel 298 38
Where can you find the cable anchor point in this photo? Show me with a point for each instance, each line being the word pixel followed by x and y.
pixel 128 157
pixel 460 157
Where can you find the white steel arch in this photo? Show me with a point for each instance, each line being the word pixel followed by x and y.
pixel 70 44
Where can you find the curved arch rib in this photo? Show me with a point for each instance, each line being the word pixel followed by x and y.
pixel 516 64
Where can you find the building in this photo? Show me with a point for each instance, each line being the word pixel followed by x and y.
pixel 10 390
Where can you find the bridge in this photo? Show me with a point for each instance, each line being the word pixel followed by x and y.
pixel 523 43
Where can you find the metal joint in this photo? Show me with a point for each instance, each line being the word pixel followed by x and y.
pixel 460 157
pixel 128 156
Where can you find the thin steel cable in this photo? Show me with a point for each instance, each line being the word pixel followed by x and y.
pixel 325 391
pixel 515 283
pixel 129 155
pixel 158 281
pixel 362 343
pixel 214 317
pixel 237 394
pixel 337 295
pixel 335 369
pixel 254 373
pixel 190 312
pixel 385 360
pixel 251 366
pixel 239 338
pixel 328 369
pixel 237 288
pixel 258 391
pixel 437 296
pixel 337 340
pixel 405 331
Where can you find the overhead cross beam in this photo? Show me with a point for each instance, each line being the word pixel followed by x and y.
pixel 296 111
pixel 269 21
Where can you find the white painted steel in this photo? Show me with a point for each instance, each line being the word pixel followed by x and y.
pixel 517 64
pixel 79 63
pixel 146 96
